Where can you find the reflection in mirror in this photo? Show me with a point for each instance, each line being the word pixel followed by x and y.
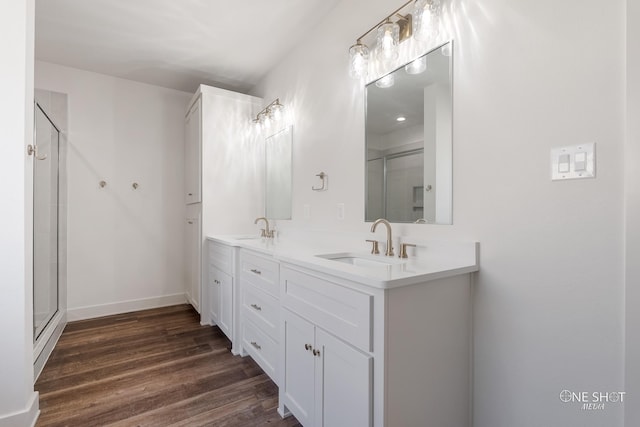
pixel 278 175
pixel 409 142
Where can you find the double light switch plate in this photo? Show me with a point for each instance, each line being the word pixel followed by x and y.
pixel 574 162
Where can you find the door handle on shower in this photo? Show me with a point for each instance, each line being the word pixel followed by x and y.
pixel 32 150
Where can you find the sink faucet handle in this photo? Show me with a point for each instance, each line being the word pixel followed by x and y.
pixel 263 232
pixel 374 247
pixel 403 249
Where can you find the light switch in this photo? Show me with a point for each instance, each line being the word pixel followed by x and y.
pixel 580 162
pixel 573 162
pixel 564 163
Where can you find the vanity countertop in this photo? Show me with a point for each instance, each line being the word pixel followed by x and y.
pixel 430 260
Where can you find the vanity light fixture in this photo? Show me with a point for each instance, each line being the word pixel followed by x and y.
pixel 421 23
pixel 271 114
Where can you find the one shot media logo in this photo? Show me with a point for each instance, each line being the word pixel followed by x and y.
pixel 593 400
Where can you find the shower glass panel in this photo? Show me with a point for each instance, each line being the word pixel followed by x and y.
pixel 45 222
pixel 404 184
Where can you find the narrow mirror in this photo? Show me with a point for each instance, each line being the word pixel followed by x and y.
pixel 278 175
pixel 409 142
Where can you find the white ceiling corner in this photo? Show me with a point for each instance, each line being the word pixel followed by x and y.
pixel 175 43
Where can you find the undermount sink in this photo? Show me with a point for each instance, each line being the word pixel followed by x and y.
pixel 363 260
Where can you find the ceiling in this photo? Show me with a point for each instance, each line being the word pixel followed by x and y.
pixel 175 43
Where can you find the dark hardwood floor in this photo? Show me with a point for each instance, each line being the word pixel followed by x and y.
pixel 153 368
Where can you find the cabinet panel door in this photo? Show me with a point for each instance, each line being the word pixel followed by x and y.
pixel 193 251
pixel 214 295
pixel 226 304
pixel 192 155
pixel 343 384
pixel 299 367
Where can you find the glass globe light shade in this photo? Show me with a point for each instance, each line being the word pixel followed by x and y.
pixel 416 67
pixel 426 14
pixel 386 81
pixel 358 61
pixel 388 39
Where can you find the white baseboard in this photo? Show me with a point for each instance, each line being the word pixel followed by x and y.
pixel 26 418
pixel 90 312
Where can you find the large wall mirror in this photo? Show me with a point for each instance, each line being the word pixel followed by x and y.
pixel 409 142
pixel 278 175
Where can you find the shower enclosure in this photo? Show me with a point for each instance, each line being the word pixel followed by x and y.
pixel 49 223
pixel 45 221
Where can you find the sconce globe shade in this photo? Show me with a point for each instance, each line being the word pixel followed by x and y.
pixel 426 19
pixel 416 67
pixel 358 61
pixel 276 111
pixel 387 41
pixel 386 81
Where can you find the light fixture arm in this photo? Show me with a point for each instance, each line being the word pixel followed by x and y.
pixel 395 12
pixel 266 109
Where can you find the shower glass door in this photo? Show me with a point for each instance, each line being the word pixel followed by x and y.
pixel 45 222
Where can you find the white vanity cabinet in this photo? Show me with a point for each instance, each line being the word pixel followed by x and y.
pixel 358 355
pixel 327 382
pixel 221 288
pixel 260 309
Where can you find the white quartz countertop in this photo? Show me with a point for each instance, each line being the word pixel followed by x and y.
pixel 430 260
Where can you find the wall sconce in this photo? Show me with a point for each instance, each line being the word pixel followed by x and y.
pixel 422 24
pixel 271 116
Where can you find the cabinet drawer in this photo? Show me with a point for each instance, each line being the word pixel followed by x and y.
pixel 221 256
pixel 344 312
pixel 262 309
pixel 262 349
pixel 260 272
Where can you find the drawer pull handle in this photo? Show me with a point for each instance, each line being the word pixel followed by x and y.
pixel 307 347
pixel 256 345
pixel 316 352
pixel 256 307
pixel 254 271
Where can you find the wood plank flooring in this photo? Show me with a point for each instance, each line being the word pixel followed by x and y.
pixel 155 368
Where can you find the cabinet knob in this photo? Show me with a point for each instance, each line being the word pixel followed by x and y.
pixel 307 347
pixel 189 194
pixel 316 352
pixel 256 307
pixel 254 271
pixel 256 345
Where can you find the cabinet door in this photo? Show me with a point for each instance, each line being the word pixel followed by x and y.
pixel 225 319
pixel 343 384
pixel 299 362
pixel 192 154
pixel 214 295
pixel 193 251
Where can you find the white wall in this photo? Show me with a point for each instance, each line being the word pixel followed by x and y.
pixel 632 231
pixel 529 76
pixel 125 246
pixel 18 402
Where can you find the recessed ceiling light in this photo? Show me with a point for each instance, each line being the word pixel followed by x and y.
pixel 401 118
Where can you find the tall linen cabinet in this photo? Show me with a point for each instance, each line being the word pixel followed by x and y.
pixel 223 194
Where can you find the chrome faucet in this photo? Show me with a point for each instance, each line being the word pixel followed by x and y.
pixel 264 232
pixel 389 251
